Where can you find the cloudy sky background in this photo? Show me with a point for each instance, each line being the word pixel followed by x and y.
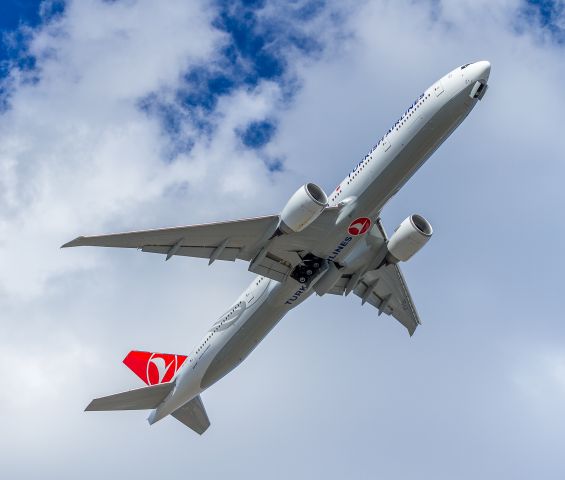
pixel 137 114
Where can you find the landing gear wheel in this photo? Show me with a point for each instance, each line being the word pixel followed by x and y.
pixel 307 269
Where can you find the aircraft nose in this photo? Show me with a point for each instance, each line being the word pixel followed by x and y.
pixel 482 69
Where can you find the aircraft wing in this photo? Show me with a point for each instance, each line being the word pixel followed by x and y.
pixel 223 240
pixel 385 289
pixel 248 239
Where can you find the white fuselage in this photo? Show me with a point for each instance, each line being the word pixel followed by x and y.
pixel 363 193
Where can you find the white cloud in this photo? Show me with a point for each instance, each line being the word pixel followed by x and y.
pixel 77 152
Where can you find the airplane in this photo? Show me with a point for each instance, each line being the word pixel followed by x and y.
pixel 318 244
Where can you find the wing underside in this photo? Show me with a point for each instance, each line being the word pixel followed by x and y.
pixel 384 288
pixel 272 256
pixel 251 240
pixel 228 240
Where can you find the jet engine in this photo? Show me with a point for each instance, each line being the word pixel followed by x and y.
pixel 307 203
pixel 410 236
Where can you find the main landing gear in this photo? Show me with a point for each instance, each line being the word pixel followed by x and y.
pixel 308 269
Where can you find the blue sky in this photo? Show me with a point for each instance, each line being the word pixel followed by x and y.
pixel 256 45
pixel 17 17
pixel 254 50
pixel 549 14
pixel 132 114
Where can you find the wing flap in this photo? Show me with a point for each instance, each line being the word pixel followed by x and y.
pixel 228 253
pixel 271 266
pixel 193 415
pixel 387 291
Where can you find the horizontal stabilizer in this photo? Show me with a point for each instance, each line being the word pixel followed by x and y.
pixel 193 415
pixel 141 399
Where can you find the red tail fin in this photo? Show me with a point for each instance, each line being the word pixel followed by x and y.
pixel 154 368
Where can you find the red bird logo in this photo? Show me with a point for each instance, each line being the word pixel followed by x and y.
pixel 359 226
pixel 154 368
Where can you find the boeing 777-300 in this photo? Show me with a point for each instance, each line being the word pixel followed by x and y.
pixel 318 244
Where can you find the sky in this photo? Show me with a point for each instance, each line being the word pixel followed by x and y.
pixel 131 114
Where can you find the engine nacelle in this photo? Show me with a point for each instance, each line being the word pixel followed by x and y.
pixel 307 203
pixel 410 236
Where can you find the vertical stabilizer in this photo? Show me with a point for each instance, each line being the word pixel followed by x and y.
pixel 154 368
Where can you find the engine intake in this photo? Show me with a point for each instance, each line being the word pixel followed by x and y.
pixel 307 203
pixel 410 236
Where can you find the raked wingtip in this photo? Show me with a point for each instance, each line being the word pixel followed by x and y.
pixel 72 243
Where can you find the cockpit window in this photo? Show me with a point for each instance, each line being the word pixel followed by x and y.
pixel 465 66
